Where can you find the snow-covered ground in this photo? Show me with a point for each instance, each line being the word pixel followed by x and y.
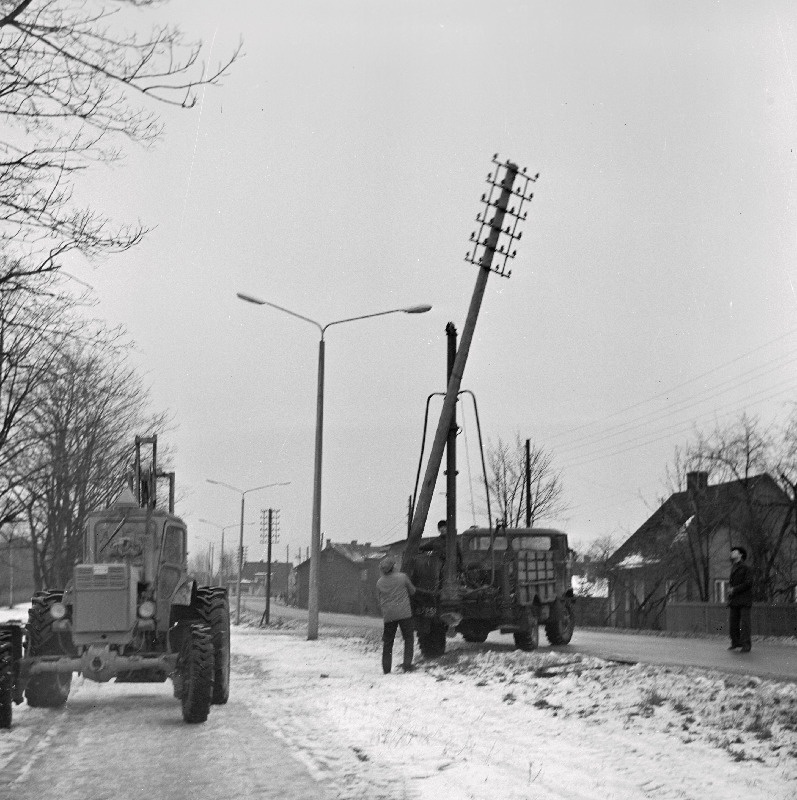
pixel 488 721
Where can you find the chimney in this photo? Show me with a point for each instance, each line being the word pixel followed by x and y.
pixel 696 481
pixel 354 543
pixel 367 544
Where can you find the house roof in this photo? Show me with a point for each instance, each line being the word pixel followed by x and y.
pixel 672 519
pixel 357 552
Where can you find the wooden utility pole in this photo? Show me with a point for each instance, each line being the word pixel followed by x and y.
pixel 269 530
pixel 484 251
pixel 528 483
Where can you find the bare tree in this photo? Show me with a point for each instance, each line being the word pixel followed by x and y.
pixel 80 434
pixel 74 87
pixel 32 328
pixel 739 454
pixel 506 468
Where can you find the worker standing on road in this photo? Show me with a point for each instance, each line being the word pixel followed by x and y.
pixel 394 590
pixel 740 600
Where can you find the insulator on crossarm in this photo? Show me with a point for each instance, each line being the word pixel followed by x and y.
pixel 520 233
pixel 484 198
pixel 472 235
pixel 489 176
pixel 479 217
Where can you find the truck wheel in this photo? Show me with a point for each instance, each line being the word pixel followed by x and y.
pixel 196 673
pixel 214 608
pixel 560 624
pixel 433 641
pixel 475 636
pixel 6 678
pixel 45 689
pixel 528 640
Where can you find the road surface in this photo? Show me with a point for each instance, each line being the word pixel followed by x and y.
pixel 768 659
pixel 128 740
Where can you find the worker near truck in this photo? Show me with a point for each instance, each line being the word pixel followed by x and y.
pixel 394 590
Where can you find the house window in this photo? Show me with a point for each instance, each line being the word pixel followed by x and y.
pixel 720 591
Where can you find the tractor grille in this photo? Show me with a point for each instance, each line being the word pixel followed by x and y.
pixel 100 576
pixel 104 599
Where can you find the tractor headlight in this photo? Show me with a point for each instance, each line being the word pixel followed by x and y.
pixel 146 610
pixel 57 610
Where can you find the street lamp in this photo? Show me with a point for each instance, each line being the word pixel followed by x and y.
pixel 315 538
pixel 222 528
pixel 243 493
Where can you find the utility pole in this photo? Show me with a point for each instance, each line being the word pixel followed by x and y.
pixel 528 483
pixel 451 594
pixel 485 248
pixel 269 530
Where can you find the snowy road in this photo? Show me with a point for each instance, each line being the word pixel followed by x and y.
pixel 113 742
pixel 767 660
pixel 318 721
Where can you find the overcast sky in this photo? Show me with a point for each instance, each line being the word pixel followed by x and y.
pixel 338 171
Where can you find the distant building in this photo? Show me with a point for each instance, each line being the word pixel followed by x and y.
pixel 347 578
pixel 16 572
pixel 254 572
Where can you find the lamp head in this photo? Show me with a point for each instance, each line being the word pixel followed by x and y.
pixel 417 309
pixel 249 299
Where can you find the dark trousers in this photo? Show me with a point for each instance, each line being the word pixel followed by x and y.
pixel 389 635
pixel 739 622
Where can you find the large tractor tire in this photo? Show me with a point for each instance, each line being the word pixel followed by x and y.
pixel 7 673
pixel 46 689
pixel 432 639
pixel 196 673
pixel 214 609
pixel 560 624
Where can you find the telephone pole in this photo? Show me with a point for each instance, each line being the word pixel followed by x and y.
pixel 269 532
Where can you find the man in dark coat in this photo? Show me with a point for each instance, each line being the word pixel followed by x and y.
pixel 740 600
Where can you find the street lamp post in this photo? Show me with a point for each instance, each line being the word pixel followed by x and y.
pixel 243 493
pixel 315 537
pixel 222 528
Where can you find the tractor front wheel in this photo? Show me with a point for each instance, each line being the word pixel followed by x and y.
pixel 45 689
pixel 195 669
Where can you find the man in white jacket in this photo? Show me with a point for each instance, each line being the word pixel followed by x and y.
pixel 394 590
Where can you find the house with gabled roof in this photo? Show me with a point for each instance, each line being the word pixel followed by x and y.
pixel 347 578
pixel 681 552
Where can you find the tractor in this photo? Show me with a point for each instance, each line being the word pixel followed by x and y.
pixel 130 612
pixel 510 580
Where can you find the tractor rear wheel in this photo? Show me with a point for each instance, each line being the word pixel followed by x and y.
pixel 6 678
pixel 196 673
pixel 214 608
pixel 432 641
pixel 560 624
pixel 45 689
